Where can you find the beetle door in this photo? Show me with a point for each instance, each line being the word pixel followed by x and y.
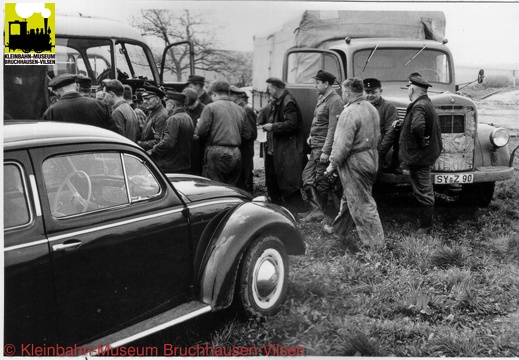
pixel 28 295
pixel 119 240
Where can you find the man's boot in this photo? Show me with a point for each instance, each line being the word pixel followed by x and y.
pixel 317 213
pixel 426 220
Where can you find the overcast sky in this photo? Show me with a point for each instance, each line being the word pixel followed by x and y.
pixel 479 34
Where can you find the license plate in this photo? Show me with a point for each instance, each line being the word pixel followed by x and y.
pixel 454 179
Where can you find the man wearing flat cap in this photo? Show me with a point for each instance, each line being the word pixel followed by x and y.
pixel 72 107
pixel 388 116
pixel 327 111
pixel 240 97
pixel 284 145
pixel 196 82
pixel 156 118
pixel 194 109
pixel 420 147
pixel 173 151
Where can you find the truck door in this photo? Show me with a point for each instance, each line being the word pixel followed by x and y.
pixel 178 62
pixel 300 65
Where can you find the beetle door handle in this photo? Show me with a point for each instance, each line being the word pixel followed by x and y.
pixel 69 244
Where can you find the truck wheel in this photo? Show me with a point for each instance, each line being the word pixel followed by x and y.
pixel 477 194
pixel 262 281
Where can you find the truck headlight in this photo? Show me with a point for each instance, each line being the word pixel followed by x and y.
pixel 499 137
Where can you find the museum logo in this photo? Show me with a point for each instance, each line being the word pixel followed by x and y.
pixel 29 34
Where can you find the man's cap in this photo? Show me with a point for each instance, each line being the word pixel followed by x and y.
pixel 152 91
pixel 140 90
pixel 84 81
pixel 236 90
pixel 62 80
pixel 417 79
pixel 173 95
pixel 191 96
pixel 325 76
pixel 280 84
pixel 371 84
pixel 196 79
pixel 137 97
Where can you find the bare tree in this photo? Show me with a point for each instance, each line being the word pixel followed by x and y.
pixel 170 28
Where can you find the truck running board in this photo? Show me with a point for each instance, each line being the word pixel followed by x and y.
pixel 155 324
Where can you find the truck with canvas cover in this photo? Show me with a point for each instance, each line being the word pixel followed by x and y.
pixel 98 48
pixel 389 46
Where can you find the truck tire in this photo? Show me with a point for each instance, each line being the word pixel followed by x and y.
pixel 263 278
pixel 477 194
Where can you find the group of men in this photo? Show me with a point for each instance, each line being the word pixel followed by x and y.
pixel 351 135
pixel 197 132
pixel 212 134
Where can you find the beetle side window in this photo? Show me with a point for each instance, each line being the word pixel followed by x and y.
pixel 80 183
pixel 141 181
pixel 88 182
pixel 16 206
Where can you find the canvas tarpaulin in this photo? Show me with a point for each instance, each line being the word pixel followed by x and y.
pixel 317 29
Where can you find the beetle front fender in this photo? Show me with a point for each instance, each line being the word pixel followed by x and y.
pixel 237 230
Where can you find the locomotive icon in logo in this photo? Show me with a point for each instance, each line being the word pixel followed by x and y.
pixel 37 40
pixel 29 27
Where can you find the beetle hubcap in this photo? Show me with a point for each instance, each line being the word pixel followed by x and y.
pixel 268 278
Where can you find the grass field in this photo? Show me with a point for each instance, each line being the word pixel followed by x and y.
pixel 453 293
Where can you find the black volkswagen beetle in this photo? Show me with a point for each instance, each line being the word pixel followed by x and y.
pixel 100 247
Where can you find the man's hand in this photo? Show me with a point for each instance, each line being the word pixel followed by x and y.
pixel 267 127
pixel 148 152
pixel 330 170
pixel 324 158
pixel 396 124
pixel 309 141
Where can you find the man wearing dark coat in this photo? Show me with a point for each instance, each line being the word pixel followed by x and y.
pixel 156 118
pixel 194 109
pixel 284 146
pixel 247 147
pixel 173 152
pixel 420 147
pixel 72 107
pixel 196 82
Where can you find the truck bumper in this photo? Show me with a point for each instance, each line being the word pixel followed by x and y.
pixel 481 174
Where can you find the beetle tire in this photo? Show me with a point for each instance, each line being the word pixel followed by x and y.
pixel 268 254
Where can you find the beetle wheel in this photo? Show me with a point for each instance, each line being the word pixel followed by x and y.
pixel 263 277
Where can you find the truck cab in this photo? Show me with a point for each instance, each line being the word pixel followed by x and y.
pixel 95 47
pixel 474 155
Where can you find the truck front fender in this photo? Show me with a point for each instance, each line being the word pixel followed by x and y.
pixel 237 230
pixel 485 153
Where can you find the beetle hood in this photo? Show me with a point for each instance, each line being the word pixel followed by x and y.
pixel 197 188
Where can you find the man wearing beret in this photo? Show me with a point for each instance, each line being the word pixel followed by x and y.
pixel 72 107
pixel 240 98
pixel 284 146
pixel 355 156
pixel 173 152
pixel 122 112
pixel 156 119
pixel 420 147
pixel 221 125
pixel 196 82
pixel 329 107
pixel 388 115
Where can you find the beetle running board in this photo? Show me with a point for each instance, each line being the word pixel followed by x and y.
pixel 155 324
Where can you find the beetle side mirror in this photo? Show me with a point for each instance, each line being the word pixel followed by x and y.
pixel 481 76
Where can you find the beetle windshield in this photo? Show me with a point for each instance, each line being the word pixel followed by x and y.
pixel 397 64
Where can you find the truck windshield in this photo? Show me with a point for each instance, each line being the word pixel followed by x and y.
pixel 93 58
pixel 396 64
